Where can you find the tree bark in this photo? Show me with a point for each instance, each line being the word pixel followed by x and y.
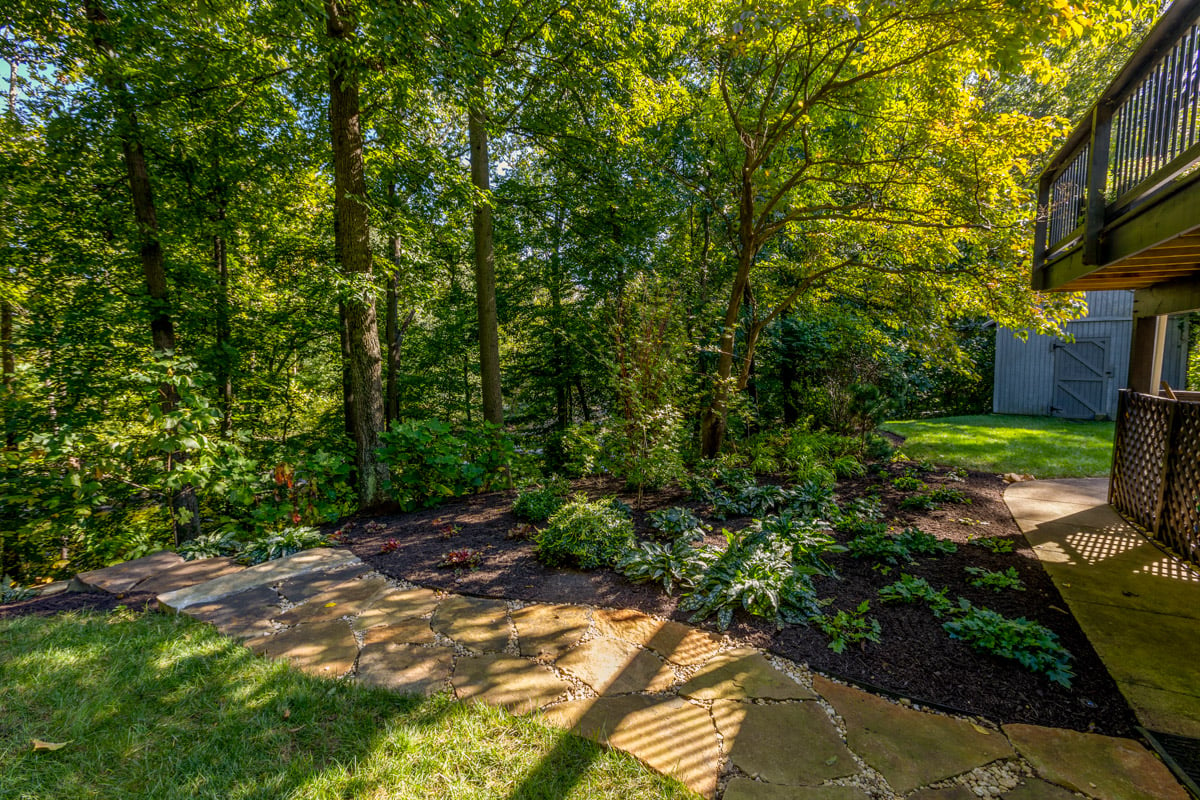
pixel 394 332
pixel 352 236
pixel 224 349
pixel 162 328
pixel 8 367
pixel 485 272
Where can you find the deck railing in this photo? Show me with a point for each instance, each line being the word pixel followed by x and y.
pixel 1140 137
pixel 1156 469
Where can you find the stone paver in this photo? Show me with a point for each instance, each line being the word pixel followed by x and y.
pixel 475 623
pixel 517 684
pixel 410 631
pixel 396 606
pixel 613 666
pixel 746 789
pixel 407 668
pixel 1103 767
pixel 342 600
pixel 189 573
pixel 743 674
pixel 266 574
pixel 795 744
pixel 908 747
pixel 308 585
pixel 241 615
pixel 120 578
pixel 321 648
pixel 549 631
pixel 958 792
pixel 1034 789
pixel 674 641
pixel 670 735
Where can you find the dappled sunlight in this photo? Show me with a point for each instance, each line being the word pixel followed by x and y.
pixel 1170 567
pixel 1096 546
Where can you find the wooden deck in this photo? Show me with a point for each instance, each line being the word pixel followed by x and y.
pixel 1119 205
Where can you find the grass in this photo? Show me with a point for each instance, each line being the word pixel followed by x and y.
pixel 151 706
pixel 1044 447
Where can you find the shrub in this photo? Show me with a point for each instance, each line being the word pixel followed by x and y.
pixel 280 544
pixel 13 592
pixel 210 545
pixel 904 546
pixel 812 500
pixel 909 483
pixel 948 495
pixel 585 534
pixel 537 503
pixel 430 462
pixel 678 564
pixel 917 502
pixel 848 467
pixel 913 590
pixel 678 522
pixel 996 581
pixel 847 627
pixel 1029 643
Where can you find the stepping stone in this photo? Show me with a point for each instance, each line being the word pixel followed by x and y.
pixel 1033 789
pixel 473 622
pixel 343 600
pixel 516 684
pixel 268 573
pixel 959 792
pixel 670 735
pixel 746 789
pixel 549 631
pixel 743 674
pixel 305 587
pixel 189 573
pixel 396 606
pixel 57 587
pixel 241 615
pixel 674 641
pixel 795 744
pixel 612 666
pixel 120 578
pixel 910 748
pixel 1103 767
pixel 407 668
pixel 320 648
pixel 406 631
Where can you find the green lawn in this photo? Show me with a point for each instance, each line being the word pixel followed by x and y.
pixel 151 706
pixel 1044 447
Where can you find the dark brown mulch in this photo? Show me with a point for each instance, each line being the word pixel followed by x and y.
pixel 75 601
pixel 916 657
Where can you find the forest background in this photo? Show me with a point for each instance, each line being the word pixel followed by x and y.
pixel 265 264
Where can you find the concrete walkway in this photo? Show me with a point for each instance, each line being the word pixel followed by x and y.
pixel 725 720
pixel 1138 605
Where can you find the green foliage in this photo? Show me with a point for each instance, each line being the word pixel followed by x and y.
pixel 996 581
pixel 678 523
pixel 585 534
pixel 13 592
pixel 888 548
pixel 767 570
pixel 914 590
pixel 995 544
pixel 847 627
pixel 944 494
pixel 538 502
pixel 917 502
pixel 909 483
pixel 1029 643
pixel 677 564
pixel 277 545
pixel 210 545
pixel 430 461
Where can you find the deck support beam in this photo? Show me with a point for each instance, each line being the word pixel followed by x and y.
pixel 1146 354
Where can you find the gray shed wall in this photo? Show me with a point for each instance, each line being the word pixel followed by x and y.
pixel 1024 381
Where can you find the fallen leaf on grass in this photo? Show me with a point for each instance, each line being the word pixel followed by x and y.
pixel 38 744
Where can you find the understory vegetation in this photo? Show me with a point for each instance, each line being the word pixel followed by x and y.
pixel 268 265
pixel 160 707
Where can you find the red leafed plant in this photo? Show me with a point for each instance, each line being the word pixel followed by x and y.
pixel 390 546
pixel 461 558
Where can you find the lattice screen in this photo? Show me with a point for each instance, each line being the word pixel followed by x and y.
pixel 1179 522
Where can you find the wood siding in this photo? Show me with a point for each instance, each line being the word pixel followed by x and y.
pixel 1024 381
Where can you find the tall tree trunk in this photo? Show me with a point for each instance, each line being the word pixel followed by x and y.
pixel 8 367
pixel 162 329
pixel 485 272
pixel 352 235
pixel 224 348
pixel 393 330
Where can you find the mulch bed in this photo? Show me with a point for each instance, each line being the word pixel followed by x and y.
pixel 915 659
pixel 75 601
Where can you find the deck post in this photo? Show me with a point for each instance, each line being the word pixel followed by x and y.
pixel 1097 181
pixel 1041 225
pixel 1146 354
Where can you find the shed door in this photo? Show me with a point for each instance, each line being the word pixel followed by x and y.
pixel 1081 377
